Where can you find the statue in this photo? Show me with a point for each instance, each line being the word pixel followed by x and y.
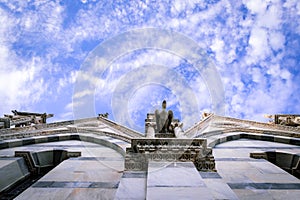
pixel 284 119
pixel 104 115
pixel 164 119
pixel 179 133
pixel 150 130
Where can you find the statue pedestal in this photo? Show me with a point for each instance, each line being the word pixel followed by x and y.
pixel 165 135
pixel 171 150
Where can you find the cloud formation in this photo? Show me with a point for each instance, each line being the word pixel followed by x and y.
pixel 254 44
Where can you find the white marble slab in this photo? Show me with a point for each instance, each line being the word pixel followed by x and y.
pixel 175 181
pixel 173 174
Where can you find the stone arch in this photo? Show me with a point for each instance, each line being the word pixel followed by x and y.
pixel 113 143
pixel 254 136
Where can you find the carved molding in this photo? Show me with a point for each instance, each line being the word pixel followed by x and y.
pixel 171 150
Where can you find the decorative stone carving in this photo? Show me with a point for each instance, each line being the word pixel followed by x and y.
pixel 284 119
pixel 169 149
pixel 20 119
pixel 104 115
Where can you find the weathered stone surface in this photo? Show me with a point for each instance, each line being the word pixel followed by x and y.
pixel 167 149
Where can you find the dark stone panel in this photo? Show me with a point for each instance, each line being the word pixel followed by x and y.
pixel 236 137
pixel 3 145
pixel 134 175
pixel 75 137
pixel 265 186
pixel 250 136
pixel 295 142
pixel 23 166
pixel 42 184
pixel 113 185
pixel 28 141
pixel 35 157
pixel 60 184
pixel 210 175
pixel 267 138
pixel 72 184
pixel 53 139
pixel 229 138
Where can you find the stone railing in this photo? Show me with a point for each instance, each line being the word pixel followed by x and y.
pixel 259 124
pixel 31 133
pixel 238 125
pixel 121 128
pixel 122 132
pixel 198 127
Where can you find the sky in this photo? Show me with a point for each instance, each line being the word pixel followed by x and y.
pixel 79 58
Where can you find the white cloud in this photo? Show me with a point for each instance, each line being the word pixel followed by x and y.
pixel 276 40
pixel 271 18
pixel 248 48
pixel 256 6
pixel 258 42
pixel 67 80
pixel 218 47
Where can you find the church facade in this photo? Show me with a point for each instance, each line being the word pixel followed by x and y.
pixel 95 158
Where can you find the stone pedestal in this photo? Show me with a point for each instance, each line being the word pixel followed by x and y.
pixel 170 150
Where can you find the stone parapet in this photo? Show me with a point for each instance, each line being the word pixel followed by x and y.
pixel 260 124
pixel 121 128
pixel 222 124
pixel 199 126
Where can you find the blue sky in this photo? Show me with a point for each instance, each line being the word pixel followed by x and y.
pixel 253 44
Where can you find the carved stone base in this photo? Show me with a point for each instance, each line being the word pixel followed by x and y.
pixel 171 150
pixel 165 135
